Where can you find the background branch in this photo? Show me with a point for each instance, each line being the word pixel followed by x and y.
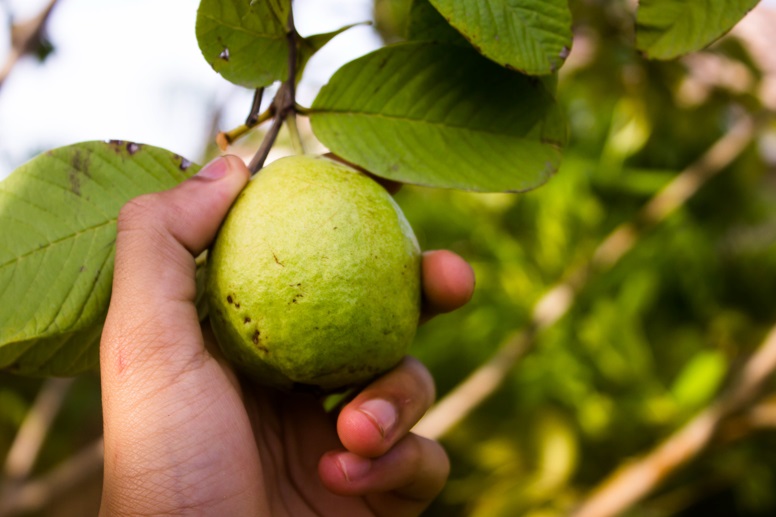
pixel 551 307
pixel 37 494
pixel 33 431
pixel 635 480
pixel 25 39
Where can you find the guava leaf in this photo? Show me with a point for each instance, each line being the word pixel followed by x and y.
pixel 700 379
pixel 58 218
pixel 532 36
pixel 311 44
pixel 245 40
pixel 441 115
pixel 427 24
pixel 666 29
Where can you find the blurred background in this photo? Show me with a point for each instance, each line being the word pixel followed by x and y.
pixel 618 342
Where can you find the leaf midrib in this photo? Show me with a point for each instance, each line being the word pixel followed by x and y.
pixel 49 244
pixel 431 123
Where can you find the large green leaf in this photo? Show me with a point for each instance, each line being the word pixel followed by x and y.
pixel 245 40
pixel 533 36
pixel 669 28
pixel 441 115
pixel 58 218
pixel 427 24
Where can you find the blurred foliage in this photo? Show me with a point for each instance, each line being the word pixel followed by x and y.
pixel 647 343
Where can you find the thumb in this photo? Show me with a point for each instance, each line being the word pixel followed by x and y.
pixel 159 234
pixel 158 238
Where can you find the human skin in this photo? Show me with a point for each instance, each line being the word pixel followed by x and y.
pixel 185 435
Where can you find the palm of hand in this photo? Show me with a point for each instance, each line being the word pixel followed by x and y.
pixel 183 435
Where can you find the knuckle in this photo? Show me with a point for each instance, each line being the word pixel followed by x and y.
pixel 421 383
pixel 138 212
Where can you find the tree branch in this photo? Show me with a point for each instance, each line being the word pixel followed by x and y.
pixel 254 118
pixel 33 431
pixel 556 302
pixel 24 39
pixel 35 495
pixel 635 480
pixel 285 99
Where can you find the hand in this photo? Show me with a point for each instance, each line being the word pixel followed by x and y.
pixel 185 434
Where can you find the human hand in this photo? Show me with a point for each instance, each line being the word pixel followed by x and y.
pixel 185 434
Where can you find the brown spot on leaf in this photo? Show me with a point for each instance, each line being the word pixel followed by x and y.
pixel 75 182
pixel 80 168
pixel 119 146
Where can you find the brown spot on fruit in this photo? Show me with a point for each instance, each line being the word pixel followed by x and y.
pixel 247 320
pixel 255 337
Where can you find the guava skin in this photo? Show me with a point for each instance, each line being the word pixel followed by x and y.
pixel 313 281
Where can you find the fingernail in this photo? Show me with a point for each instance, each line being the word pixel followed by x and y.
pixel 214 170
pixel 382 414
pixel 353 467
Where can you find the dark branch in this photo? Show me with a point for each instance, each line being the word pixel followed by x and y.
pixel 285 99
pixel 253 117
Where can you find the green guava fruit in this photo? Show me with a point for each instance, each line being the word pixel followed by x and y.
pixel 313 281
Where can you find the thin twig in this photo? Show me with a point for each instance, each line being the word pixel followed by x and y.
pixel 23 39
pixel 37 494
pixel 556 302
pixel 226 138
pixel 253 117
pixel 635 480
